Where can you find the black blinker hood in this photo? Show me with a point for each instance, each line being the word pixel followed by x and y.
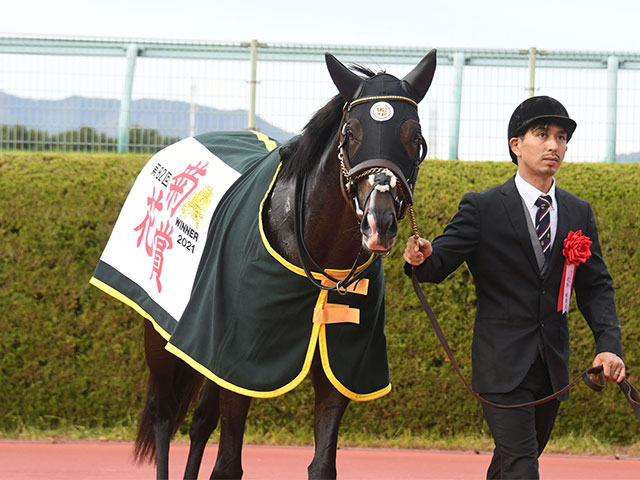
pixel 387 107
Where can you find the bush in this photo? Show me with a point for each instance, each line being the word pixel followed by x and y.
pixel 72 354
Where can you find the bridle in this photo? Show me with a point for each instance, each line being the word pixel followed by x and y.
pixel 350 174
pixel 386 176
pixel 340 285
pixel 380 168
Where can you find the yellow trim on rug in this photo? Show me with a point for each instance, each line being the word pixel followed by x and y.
pixel 318 333
pixel 323 296
pixel 245 391
pixel 130 303
pixel 290 266
pixel 324 355
pixel 270 144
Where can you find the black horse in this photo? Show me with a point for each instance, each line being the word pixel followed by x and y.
pixel 342 186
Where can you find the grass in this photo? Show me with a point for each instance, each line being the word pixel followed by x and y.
pixel 68 431
pixel 568 445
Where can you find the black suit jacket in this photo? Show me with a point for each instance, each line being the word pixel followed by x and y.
pixel 516 305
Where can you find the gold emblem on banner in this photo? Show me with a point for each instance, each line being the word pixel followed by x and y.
pixel 197 204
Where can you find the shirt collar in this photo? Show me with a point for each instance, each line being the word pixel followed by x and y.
pixel 530 194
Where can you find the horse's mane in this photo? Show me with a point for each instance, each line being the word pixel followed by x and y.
pixel 300 156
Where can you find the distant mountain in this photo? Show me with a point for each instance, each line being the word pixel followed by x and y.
pixel 628 157
pixel 170 118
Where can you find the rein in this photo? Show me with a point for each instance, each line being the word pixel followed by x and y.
pixel 342 285
pixel 348 177
pixel 628 390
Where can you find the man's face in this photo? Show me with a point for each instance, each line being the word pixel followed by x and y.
pixel 541 151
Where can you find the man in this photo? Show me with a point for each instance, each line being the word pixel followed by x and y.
pixel 520 347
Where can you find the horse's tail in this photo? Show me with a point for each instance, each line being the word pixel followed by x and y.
pixel 145 447
pixel 168 401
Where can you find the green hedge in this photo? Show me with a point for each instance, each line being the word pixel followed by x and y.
pixel 72 354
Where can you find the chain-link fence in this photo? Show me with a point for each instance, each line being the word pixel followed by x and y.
pixel 134 95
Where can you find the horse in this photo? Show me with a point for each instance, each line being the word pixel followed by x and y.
pixel 333 207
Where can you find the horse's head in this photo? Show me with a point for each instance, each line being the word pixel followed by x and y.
pixel 381 145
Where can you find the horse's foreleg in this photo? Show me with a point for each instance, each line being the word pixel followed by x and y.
pixel 233 415
pixel 330 405
pixel 205 421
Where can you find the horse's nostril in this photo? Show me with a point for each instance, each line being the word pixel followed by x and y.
pixel 393 229
pixel 389 223
pixel 382 222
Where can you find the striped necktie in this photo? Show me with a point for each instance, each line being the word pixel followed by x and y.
pixel 543 224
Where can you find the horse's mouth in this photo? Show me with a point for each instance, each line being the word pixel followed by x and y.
pixel 382 253
pixel 374 246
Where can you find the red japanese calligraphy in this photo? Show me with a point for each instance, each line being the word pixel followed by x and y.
pixel 157 240
pixel 153 205
pixel 161 242
pixel 183 184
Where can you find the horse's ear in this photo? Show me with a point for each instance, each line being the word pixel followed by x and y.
pixel 419 79
pixel 344 79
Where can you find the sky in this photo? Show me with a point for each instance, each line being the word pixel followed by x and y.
pixel 582 25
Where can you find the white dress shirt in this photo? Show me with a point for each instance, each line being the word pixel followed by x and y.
pixel 530 194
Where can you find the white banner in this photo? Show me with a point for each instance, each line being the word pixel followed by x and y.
pixel 161 232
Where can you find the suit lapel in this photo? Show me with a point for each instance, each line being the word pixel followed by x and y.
pixel 513 204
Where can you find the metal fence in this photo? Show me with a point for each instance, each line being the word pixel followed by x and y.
pixel 139 95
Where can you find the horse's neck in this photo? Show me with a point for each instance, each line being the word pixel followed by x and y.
pixel 331 230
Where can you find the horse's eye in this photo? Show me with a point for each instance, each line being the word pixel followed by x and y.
pixel 353 131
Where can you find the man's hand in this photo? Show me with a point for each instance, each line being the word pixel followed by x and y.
pixel 417 251
pixel 612 366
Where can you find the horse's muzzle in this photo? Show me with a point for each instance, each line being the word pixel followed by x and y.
pixel 379 228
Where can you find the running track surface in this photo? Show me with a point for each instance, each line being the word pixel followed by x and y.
pixel 21 460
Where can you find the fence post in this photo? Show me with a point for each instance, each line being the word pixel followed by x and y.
pixel 612 107
pixel 454 125
pixel 532 71
pixel 125 103
pixel 252 85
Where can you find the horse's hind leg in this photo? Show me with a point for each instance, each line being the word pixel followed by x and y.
pixel 205 421
pixel 330 406
pixel 233 415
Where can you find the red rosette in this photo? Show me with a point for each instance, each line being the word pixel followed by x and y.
pixel 577 250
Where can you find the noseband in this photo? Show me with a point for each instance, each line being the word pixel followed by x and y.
pixel 386 177
pixel 382 180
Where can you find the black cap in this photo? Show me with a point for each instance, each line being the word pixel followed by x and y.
pixel 537 109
